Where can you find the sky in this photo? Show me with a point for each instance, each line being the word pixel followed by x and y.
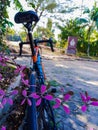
pixel 12 12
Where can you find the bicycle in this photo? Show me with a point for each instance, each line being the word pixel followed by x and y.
pixel 41 117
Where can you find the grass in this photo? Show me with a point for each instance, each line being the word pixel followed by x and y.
pixel 83 55
pixel 52 83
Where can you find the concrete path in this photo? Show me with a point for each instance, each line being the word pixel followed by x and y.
pixel 75 75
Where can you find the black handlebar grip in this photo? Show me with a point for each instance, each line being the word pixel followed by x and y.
pixel 51 44
pixel 20 52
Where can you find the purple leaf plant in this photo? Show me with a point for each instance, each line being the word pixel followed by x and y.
pixel 41 95
pixel 87 100
pixel 3 128
pixel 62 102
pixel 19 69
pixel 6 97
pixel 26 98
pixel 3 60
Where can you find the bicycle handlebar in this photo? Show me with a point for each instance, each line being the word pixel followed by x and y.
pixel 36 41
pixel 41 41
pixel 51 44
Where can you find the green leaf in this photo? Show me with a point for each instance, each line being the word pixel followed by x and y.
pixel 95 16
pixel 86 10
pixel 18 5
pixel 81 20
pixel 32 5
pixel 51 6
pixel 96 23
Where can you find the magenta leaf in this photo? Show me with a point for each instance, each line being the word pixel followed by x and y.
pixel 88 98
pixel 10 101
pixel 25 82
pixel 3 128
pixel 38 102
pixel 14 92
pixel 66 97
pixel 22 74
pixel 48 97
pixel 17 70
pixel 83 97
pixel 1 96
pixel 3 64
pixel 43 89
pixel 95 103
pixel 4 101
pixel 24 93
pixel 23 101
pixel 22 68
pixel 84 108
pixel 58 103
pixel 1 106
pixel 29 102
pixel 1 58
pixel 66 109
pixel 2 92
pixel 34 95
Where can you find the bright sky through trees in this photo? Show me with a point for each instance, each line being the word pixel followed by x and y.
pixel 79 3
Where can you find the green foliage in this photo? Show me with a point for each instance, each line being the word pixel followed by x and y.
pixel 92 14
pixel 80 21
pixel 4 48
pixel 42 5
pixel 70 29
pixel 86 10
pixel 18 5
pixel 45 31
pixel 52 83
pixel 10 31
pixel 74 28
pixel 85 30
pixel 68 9
pixel 41 31
pixel 51 6
pixel 39 6
pixel 3 16
pixel 49 24
pixel 4 22
pixel 92 24
pixel 23 35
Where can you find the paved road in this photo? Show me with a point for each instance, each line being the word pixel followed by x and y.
pixel 79 74
pixel 76 75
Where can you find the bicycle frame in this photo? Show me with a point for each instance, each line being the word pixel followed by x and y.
pixel 31 119
pixel 37 67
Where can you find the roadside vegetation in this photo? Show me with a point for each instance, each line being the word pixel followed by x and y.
pixel 85 29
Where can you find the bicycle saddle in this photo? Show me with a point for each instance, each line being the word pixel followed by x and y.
pixel 26 17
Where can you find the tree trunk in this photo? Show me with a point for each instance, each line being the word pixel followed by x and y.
pixel 88 49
